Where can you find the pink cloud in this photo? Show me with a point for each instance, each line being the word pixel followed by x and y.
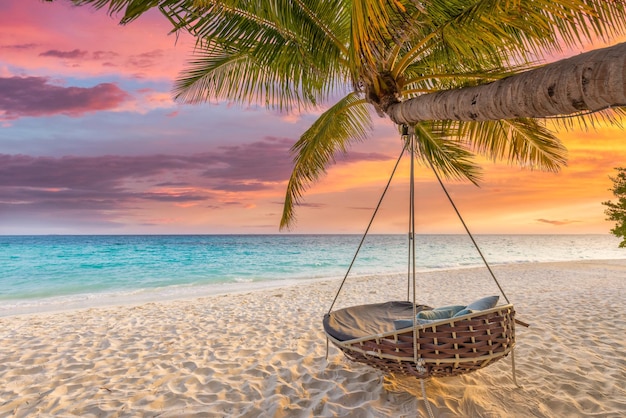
pixel 238 164
pixel 146 59
pixel 20 46
pixel 104 55
pixel 74 54
pixel 114 181
pixel 310 205
pixel 31 38
pixel 35 96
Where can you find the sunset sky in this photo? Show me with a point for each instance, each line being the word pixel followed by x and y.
pixel 91 142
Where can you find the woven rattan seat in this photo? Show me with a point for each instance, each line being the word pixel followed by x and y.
pixel 448 347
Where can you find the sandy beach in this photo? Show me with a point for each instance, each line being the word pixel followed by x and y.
pixel 262 353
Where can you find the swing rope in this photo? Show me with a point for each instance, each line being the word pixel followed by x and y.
pixel 467 229
pixel 410 139
pixel 409 143
pixel 380 201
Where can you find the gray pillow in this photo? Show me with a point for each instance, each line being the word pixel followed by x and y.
pixel 463 312
pixel 435 314
pixel 453 308
pixel 428 316
pixel 484 303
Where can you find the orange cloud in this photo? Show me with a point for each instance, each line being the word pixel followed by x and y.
pixel 557 222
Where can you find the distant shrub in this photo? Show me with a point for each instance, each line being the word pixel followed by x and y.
pixel 617 211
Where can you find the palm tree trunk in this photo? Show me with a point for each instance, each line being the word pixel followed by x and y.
pixel 591 81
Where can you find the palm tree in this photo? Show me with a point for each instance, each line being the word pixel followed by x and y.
pixel 441 67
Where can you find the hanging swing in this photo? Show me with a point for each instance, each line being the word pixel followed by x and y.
pixel 405 338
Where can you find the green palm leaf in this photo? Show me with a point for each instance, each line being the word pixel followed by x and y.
pixel 449 157
pixel 523 141
pixel 280 55
pixel 221 74
pixel 346 122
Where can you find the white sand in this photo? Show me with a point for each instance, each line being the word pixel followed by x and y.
pixel 262 353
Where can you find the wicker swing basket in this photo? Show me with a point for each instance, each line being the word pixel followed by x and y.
pixel 444 348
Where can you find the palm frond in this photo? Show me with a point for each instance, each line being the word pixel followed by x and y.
pixel 589 119
pixel 346 122
pixel 522 141
pixel 376 27
pixel 270 48
pixel 449 157
pixel 277 51
pixel 219 73
pixel 488 34
pixel 429 76
pixel 370 27
pixel 134 8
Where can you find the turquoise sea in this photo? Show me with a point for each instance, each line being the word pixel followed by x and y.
pixel 39 273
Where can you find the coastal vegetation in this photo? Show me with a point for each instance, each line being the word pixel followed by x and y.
pixel 616 211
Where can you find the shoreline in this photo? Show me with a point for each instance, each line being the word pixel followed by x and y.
pixel 135 297
pixel 59 273
pixel 262 352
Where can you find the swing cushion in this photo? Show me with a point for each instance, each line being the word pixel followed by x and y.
pixel 445 312
pixel 463 312
pixel 453 308
pixel 366 320
pixel 479 305
pixel 428 316
pixel 435 314
pixel 484 303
